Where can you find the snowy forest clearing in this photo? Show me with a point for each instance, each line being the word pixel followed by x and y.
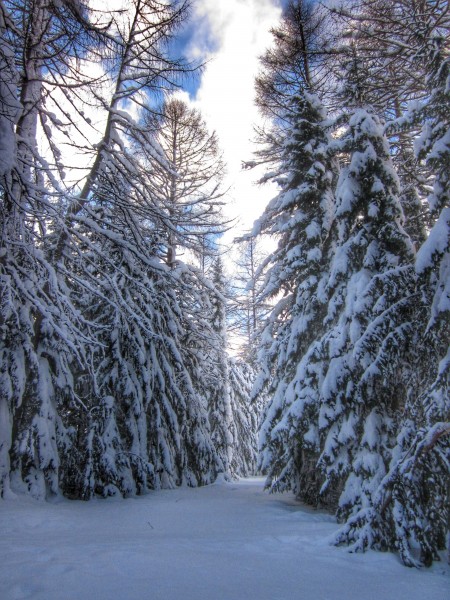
pixel 226 541
pixel 116 373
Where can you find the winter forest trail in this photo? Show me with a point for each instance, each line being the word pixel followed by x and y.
pixel 227 541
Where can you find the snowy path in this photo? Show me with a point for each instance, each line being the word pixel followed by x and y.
pixel 223 542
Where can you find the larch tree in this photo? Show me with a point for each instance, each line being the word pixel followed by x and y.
pixel 41 327
pixel 189 184
pixel 99 398
pixel 247 312
pixel 163 424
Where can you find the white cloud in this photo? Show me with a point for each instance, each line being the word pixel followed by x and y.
pixel 240 30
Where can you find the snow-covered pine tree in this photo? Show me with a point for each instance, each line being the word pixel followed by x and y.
pixel 411 195
pixel 410 508
pixel 245 418
pixel 301 217
pixel 89 312
pixel 233 417
pixel 394 76
pixel 385 337
pixel 163 422
pixel 370 285
pixel 433 261
pixel 219 404
pixel 41 328
pixel 140 361
pixel 198 345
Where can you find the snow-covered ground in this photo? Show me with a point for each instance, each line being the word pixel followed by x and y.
pixel 228 541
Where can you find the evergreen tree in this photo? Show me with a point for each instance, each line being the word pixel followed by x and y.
pixel 219 403
pixel 410 507
pixel 371 281
pixel 245 418
pixel 368 388
pixel 395 71
pixel 301 215
pixel 297 56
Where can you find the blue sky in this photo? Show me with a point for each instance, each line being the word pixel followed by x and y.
pixel 198 31
pixel 231 35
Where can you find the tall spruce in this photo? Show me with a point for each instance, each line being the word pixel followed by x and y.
pixel 301 216
pixel 410 508
pixel 373 413
pixel 219 402
pixel 370 284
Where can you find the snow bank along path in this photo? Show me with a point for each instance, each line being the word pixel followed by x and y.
pixel 228 541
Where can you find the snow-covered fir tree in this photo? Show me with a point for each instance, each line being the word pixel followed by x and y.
pixel 301 216
pixel 378 353
pixel 245 418
pixel 409 510
pixel 219 403
pixel 370 283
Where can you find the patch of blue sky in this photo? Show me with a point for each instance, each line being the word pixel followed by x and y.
pixel 195 43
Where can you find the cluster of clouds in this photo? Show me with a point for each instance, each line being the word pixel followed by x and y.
pixel 231 35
